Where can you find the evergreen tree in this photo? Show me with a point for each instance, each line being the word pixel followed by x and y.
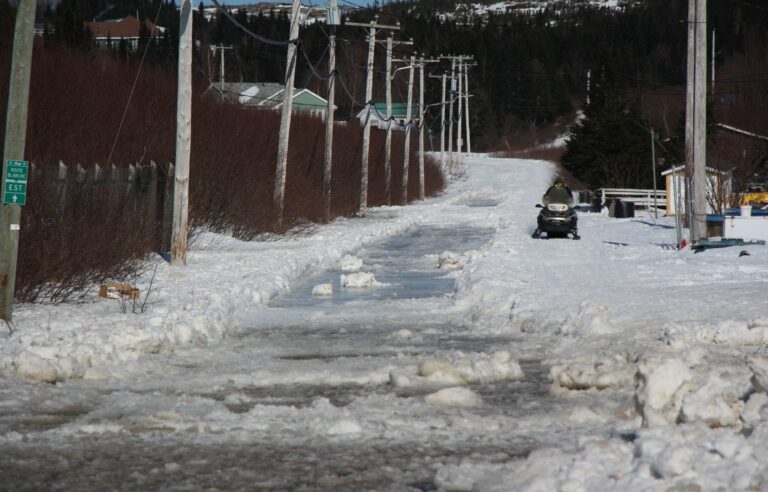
pixel 609 147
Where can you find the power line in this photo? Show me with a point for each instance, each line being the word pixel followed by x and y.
pixel 133 89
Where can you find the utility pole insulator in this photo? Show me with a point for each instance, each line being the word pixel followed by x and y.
pixel 333 14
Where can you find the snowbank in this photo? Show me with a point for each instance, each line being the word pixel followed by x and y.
pixel 322 290
pixel 592 372
pixel 460 369
pixel 456 397
pixel 359 280
pixel 350 263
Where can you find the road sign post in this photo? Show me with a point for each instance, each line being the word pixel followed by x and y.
pixel 15 174
pixel 13 148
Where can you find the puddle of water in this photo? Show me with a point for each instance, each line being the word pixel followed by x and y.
pixel 42 421
pixel 406 264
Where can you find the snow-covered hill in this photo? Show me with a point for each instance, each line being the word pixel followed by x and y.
pixel 484 9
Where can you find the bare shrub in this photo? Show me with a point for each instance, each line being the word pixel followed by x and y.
pixel 86 234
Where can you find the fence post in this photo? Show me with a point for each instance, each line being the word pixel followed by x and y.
pixel 80 174
pixel 61 188
pixel 166 211
pixel 150 212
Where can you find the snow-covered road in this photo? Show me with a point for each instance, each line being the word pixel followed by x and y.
pixel 461 355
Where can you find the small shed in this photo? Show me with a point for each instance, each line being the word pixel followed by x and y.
pixel 719 188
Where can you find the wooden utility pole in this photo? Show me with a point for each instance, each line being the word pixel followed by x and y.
pixel 183 138
pixel 713 62
pixel 15 142
pixel 443 78
pixel 333 19
pixel 459 140
pixel 388 146
pixel 422 126
pixel 466 105
pixel 372 26
pixel 285 115
pixel 329 120
pixel 653 167
pixel 458 94
pixel 450 112
pixel 696 118
pixel 442 122
pixel 222 71
pixel 409 125
pixel 388 142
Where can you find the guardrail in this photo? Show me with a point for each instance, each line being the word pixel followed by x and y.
pixel 641 198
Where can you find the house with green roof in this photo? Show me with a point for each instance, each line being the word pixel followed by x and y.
pixel 379 115
pixel 269 95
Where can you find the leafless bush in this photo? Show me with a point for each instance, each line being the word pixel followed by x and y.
pixel 97 233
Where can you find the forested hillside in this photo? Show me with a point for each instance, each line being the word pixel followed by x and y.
pixel 533 65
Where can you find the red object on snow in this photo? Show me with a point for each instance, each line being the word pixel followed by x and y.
pixel 683 244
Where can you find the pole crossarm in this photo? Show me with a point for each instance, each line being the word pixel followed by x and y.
pixel 374 25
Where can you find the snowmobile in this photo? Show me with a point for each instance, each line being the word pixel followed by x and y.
pixel 557 220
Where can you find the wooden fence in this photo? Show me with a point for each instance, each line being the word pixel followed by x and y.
pixel 143 192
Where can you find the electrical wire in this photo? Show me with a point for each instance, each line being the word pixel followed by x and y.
pixel 133 88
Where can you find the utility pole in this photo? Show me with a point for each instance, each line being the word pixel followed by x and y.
pixel 713 61
pixel 459 141
pixel 696 118
pixel 422 126
pixel 466 105
pixel 372 26
pixel 388 142
pixel 409 125
pixel 285 115
pixel 459 95
pixel 442 122
pixel 332 21
pixel 329 121
pixel 653 166
pixel 443 77
pixel 15 142
pixel 221 68
pixel 391 43
pixel 183 138
pixel 450 112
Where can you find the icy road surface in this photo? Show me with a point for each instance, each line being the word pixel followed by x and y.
pixel 435 346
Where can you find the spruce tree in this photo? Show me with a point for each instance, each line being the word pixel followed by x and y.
pixel 610 146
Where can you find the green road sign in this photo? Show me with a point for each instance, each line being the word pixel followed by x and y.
pixel 15 179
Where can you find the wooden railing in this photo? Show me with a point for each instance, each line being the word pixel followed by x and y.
pixel 641 198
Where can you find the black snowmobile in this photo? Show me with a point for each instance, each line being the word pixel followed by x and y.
pixel 557 220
